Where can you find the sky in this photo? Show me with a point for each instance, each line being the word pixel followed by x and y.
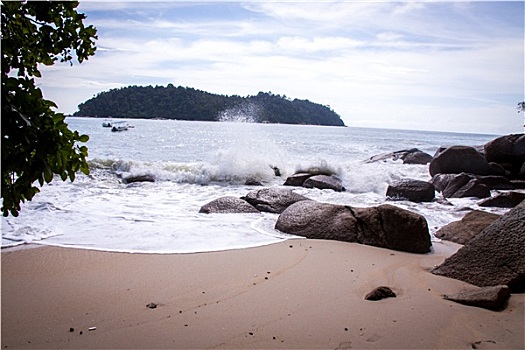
pixel 439 66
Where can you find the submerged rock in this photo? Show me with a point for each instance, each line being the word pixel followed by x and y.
pixel 408 156
pixel 228 205
pixel 503 200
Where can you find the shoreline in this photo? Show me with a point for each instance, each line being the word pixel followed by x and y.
pixel 294 294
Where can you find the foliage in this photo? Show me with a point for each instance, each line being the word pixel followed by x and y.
pixel 36 141
pixel 185 103
pixel 521 106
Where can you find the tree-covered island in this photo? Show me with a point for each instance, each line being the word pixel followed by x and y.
pixel 184 103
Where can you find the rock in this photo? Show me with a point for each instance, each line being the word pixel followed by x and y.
pixel 459 159
pixel 138 178
pixel 492 298
pixel 385 226
pixel 380 293
pixel 496 256
pixel 324 182
pixel 462 185
pixel 151 306
pixel 273 199
pixel 297 179
pixel 417 157
pixel 518 184
pixel 412 190
pixel 467 228
pixel 503 200
pixel 494 182
pixel 474 188
pixel 440 181
pixel 508 151
pixel 252 182
pixel 228 205
pixel 408 156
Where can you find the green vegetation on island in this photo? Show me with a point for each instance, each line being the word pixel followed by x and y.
pixel 184 103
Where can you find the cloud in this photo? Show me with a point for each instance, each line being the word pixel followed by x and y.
pixel 401 65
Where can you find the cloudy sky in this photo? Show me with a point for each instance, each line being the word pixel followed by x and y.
pixel 444 66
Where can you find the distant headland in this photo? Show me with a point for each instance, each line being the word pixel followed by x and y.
pixel 185 103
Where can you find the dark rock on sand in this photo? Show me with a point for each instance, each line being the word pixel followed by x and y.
pixel 273 199
pixel 380 293
pixel 324 182
pixel 492 298
pixel 385 226
pixel 138 178
pixel 408 156
pixel 496 256
pixel 412 190
pixel 459 159
pixel 503 200
pixel 467 228
pixel 228 205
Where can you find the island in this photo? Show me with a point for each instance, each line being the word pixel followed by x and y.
pixel 186 103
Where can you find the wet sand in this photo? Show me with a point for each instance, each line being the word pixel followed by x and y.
pixel 295 294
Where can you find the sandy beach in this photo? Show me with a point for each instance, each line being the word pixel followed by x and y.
pixel 295 294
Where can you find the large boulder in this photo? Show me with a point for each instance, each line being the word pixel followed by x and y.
pixel 495 256
pixel 324 182
pixel 467 228
pixel 273 199
pixel 412 190
pixel 493 298
pixel 229 205
pixel 459 159
pixel 508 151
pixel 385 226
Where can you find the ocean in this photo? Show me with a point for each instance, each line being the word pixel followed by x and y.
pixel 196 162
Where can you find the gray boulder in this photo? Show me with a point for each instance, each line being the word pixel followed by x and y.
pixel 467 228
pixel 228 205
pixel 324 182
pixel 412 190
pixel 508 151
pixel 297 179
pixel 493 298
pixel 385 226
pixel 273 199
pixel 459 159
pixel 503 200
pixel 496 256
pixel 461 185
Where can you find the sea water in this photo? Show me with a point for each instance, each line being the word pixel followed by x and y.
pixel 194 163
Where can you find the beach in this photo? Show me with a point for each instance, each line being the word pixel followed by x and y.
pixel 295 294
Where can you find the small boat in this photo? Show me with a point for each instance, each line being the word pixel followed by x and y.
pixel 119 126
pixel 107 123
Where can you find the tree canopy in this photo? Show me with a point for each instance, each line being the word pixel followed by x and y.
pixel 184 103
pixel 36 142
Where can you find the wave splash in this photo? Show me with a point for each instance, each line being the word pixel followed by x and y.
pixel 247 112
